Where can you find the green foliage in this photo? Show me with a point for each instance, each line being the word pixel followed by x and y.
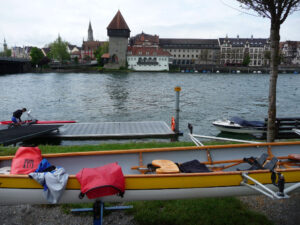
pixel 208 211
pixel 267 54
pixel 36 55
pixel 246 60
pixel 76 60
pixel 58 50
pixel 100 51
pixel 6 53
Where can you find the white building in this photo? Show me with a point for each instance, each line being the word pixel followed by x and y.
pixel 148 59
pixel 144 54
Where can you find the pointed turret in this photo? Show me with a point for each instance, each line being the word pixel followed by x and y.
pixel 118 27
pixel 90 33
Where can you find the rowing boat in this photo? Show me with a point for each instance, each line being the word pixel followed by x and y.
pixel 40 122
pixel 229 173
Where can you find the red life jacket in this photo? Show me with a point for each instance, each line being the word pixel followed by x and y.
pixel 26 160
pixel 101 181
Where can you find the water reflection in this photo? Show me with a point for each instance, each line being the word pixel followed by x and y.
pixel 117 88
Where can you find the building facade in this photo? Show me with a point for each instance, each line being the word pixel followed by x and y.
pixel 234 51
pixel 21 52
pixel 144 54
pixel 290 52
pixel 190 52
pixel 118 33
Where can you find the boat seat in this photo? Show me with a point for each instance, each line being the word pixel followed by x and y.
pixel 270 165
pixel 294 157
pixel 165 166
pixel 257 163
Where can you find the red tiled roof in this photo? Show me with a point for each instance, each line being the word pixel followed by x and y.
pixel 118 23
pixel 142 51
pixel 92 44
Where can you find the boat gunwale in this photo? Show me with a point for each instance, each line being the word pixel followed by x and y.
pixel 165 149
pixel 217 173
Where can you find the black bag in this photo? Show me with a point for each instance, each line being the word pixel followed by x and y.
pixel 193 166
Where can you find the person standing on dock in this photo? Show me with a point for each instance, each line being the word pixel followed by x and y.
pixel 16 118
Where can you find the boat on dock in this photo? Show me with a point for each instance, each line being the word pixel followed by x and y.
pixel 241 126
pixel 272 169
pixel 40 122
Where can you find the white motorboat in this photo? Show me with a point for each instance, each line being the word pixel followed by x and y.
pixel 239 125
pixel 297 131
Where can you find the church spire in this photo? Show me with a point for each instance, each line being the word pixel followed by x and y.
pixel 90 33
pixel 5 45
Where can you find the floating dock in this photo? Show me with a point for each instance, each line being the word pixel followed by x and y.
pixel 114 130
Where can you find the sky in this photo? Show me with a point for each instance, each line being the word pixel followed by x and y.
pixel 38 22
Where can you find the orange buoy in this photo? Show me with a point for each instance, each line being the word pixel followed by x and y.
pixel 173 123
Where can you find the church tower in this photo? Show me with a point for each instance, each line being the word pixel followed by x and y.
pixel 4 45
pixel 90 33
pixel 118 33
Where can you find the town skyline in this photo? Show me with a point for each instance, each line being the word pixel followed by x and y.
pixel 28 23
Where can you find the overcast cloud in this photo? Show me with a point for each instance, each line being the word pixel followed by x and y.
pixel 38 22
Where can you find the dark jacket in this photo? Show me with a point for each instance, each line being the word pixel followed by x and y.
pixel 18 114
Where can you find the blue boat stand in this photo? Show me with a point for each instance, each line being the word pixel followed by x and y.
pixel 97 210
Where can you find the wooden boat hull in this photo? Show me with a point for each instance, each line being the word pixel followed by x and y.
pixel 16 189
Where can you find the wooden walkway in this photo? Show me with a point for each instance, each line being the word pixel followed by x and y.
pixel 114 130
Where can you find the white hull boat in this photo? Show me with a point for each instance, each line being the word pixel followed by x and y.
pixel 241 126
pixel 228 173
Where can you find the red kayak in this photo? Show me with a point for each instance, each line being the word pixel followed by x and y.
pixel 41 122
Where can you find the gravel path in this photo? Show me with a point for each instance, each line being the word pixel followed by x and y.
pixel 281 212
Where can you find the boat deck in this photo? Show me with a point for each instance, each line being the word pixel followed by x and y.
pixel 116 130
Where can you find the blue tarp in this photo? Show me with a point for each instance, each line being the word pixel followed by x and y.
pixel 246 123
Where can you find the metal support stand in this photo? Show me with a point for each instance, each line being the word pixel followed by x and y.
pixel 97 210
pixel 262 189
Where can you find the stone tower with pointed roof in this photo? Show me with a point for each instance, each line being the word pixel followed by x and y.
pixel 118 33
pixel 90 33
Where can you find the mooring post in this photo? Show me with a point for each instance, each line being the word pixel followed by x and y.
pixel 177 91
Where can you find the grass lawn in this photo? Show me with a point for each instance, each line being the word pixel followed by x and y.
pixel 208 211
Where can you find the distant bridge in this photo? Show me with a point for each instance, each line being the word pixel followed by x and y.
pixel 9 65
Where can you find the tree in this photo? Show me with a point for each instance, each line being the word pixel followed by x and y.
pixel 6 53
pixel 36 55
pixel 100 51
pixel 58 50
pixel 277 11
pixel 247 59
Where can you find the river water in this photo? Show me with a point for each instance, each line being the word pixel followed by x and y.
pixel 142 96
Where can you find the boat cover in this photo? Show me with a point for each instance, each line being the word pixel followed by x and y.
pixel 246 123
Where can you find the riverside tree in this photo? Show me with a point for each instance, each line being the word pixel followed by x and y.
pixel 277 11
pixel 100 51
pixel 58 50
pixel 36 55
